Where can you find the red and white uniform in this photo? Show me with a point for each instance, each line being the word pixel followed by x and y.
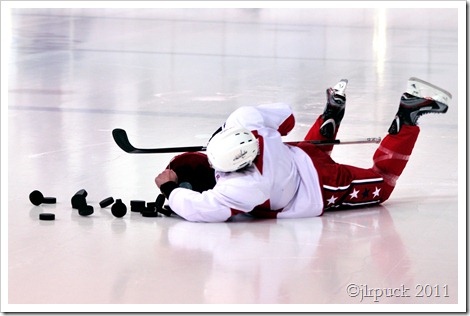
pixel 293 181
pixel 283 181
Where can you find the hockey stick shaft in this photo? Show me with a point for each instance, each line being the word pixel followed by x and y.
pixel 122 140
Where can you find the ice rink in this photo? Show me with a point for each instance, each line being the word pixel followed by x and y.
pixel 170 77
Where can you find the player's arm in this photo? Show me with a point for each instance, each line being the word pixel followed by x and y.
pixel 227 198
pixel 277 116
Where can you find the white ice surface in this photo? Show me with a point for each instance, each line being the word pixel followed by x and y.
pixel 170 78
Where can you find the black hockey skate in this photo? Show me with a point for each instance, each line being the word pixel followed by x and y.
pixel 334 110
pixel 420 98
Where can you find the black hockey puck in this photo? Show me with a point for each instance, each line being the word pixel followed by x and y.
pixel 149 214
pixel 119 209
pixel 47 217
pixel 85 210
pixel 49 200
pixel 79 199
pixel 165 212
pixel 106 202
pixel 137 206
pixel 37 198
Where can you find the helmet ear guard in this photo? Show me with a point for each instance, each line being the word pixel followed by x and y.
pixel 232 149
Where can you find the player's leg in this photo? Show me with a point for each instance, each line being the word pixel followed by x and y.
pixel 345 185
pixel 349 186
pixel 326 126
pixel 395 149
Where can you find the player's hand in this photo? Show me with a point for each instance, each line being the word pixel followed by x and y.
pixel 165 176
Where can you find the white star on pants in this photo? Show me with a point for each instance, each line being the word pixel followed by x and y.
pixel 332 200
pixel 354 194
pixel 376 192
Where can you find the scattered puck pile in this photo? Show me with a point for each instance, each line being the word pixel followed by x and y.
pixel 118 208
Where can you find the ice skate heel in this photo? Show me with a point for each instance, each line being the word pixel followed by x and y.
pixel 420 98
pixel 334 109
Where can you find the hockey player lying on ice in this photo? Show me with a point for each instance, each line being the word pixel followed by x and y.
pixel 248 168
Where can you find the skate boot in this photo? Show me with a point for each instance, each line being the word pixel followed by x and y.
pixel 334 110
pixel 420 98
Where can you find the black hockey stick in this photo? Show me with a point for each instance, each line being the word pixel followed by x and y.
pixel 121 139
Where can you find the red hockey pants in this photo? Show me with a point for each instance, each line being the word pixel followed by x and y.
pixel 345 185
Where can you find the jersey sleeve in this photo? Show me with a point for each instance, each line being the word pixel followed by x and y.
pixel 198 207
pixel 277 116
pixel 233 194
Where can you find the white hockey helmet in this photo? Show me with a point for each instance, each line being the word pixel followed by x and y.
pixel 232 149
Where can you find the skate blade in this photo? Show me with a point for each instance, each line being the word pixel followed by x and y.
pixel 421 88
pixel 340 87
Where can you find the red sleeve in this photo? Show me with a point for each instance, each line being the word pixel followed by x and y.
pixel 287 125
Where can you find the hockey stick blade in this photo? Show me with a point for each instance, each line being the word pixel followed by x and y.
pixel 121 139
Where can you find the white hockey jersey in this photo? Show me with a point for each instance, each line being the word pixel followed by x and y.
pixel 282 182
